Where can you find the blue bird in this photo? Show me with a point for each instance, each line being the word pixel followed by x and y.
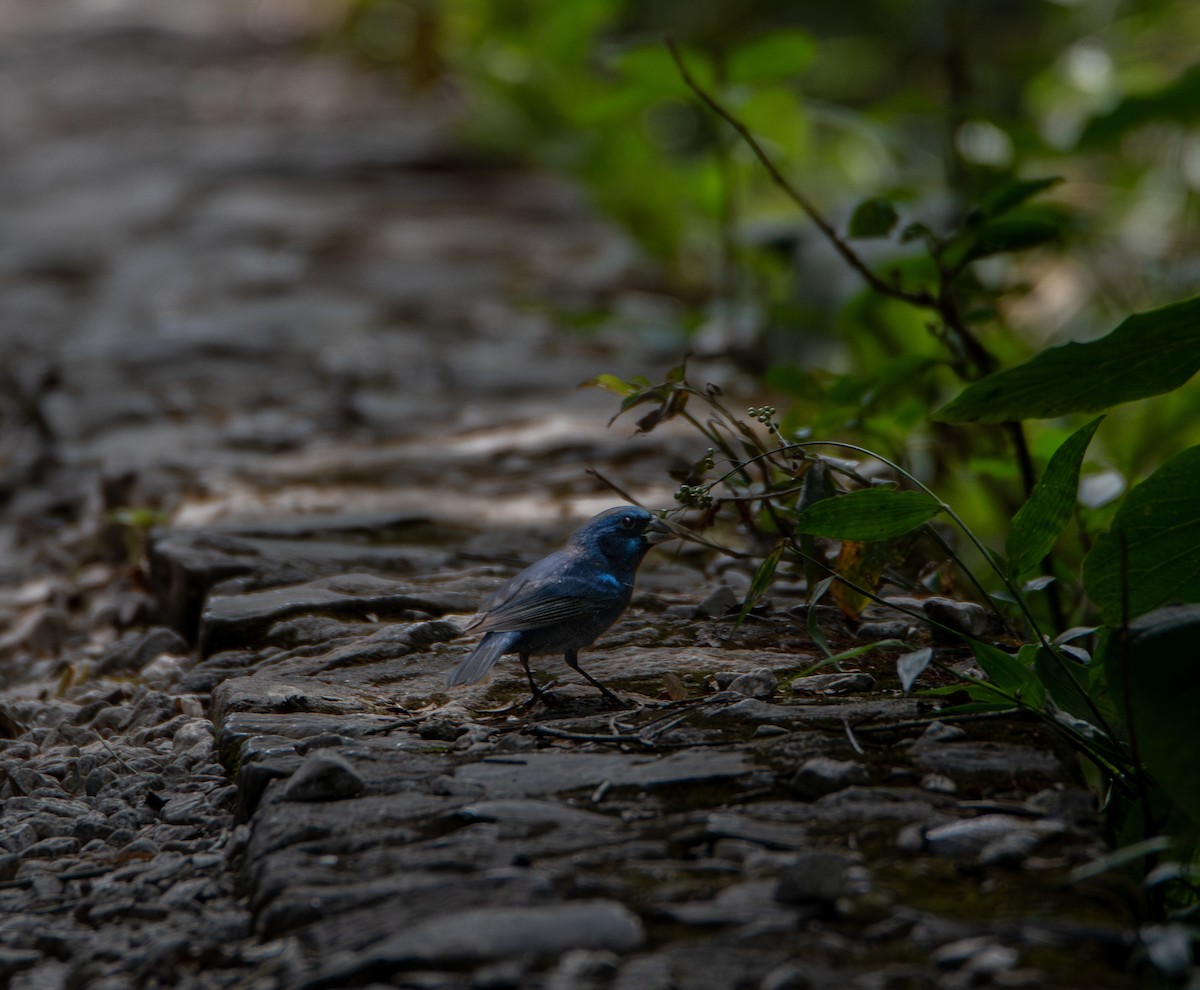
pixel 564 601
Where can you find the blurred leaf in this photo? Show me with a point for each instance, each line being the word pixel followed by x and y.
pixel 1041 520
pixel 777 56
pixel 911 665
pixel 873 217
pixel 998 236
pixel 1178 101
pixel 868 514
pixel 1159 523
pixel 611 383
pixel 915 231
pixel 761 582
pixel 1013 194
pixel 1148 354
pixel 1163 690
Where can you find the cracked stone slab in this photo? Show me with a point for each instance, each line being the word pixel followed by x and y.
pixel 230 620
pixel 490 933
pixel 551 772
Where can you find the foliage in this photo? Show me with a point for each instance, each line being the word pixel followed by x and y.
pixel 909 221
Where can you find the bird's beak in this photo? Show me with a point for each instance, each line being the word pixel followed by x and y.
pixel 659 531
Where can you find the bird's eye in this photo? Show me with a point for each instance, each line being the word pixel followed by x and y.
pixel 628 522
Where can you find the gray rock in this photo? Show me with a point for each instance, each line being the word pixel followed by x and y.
pixel 550 772
pixel 901 629
pixel 969 618
pixel 51 848
pixel 760 684
pixel 231 620
pixel 1012 849
pixel 970 836
pixel 744 903
pixel 748 709
pixel 954 955
pixel 720 601
pixel 940 732
pixel 939 783
pixel 967 760
pixel 133 651
pixel 15 960
pixel 850 682
pixel 323 776
pixel 814 877
pixel 492 933
pixel 820 776
pixel 767 834
pixel 19 838
pixel 789 976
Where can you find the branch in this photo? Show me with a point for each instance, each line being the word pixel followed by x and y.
pixel 920 298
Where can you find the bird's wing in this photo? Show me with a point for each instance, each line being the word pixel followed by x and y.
pixel 547 593
pixel 534 613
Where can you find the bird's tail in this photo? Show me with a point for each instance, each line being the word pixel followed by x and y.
pixel 481 659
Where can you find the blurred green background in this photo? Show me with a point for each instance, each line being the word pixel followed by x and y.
pixel 936 108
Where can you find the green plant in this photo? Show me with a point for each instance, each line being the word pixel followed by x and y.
pixel 1130 712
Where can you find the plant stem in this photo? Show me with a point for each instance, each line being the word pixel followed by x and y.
pixel 919 298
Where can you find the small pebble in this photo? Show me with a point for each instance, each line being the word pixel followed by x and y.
pixel 760 684
pixel 820 776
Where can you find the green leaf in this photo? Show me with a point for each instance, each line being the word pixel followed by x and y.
pixel 856 651
pixel 873 218
pixel 1042 519
pixel 998 236
pixel 761 582
pixel 915 231
pixel 771 58
pixel 1163 692
pixel 1159 526
pixel 868 514
pixel 1013 194
pixel 1148 354
pixel 611 383
pixel 1009 674
pixel 1065 682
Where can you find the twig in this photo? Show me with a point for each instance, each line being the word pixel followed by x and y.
pixel 920 298
pixel 615 487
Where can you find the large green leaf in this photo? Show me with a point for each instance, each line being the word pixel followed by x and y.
pixel 1162 661
pixel 1158 525
pixel 1009 674
pixel 868 514
pixel 1041 520
pixel 1148 354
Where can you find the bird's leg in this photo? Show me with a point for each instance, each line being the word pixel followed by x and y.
pixel 572 659
pixel 537 691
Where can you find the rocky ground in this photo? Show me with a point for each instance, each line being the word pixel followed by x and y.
pixel 282 400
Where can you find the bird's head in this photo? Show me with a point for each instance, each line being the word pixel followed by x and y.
pixel 623 534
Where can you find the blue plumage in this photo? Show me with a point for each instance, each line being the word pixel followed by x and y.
pixel 561 603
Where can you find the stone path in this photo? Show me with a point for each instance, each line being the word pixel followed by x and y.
pixel 281 402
